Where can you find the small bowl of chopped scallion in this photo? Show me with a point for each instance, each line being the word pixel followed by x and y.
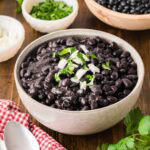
pixel 50 15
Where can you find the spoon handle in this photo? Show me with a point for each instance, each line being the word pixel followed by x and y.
pixel 2 145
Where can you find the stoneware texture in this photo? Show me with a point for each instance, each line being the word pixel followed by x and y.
pixel 49 26
pixel 119 20
pixel 80 122
pixel 14 27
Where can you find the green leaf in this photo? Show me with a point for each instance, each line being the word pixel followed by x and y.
pixel 104 146
pixel 19 2
pixel 132 120
pixel 98 148
pixel 51 10
pixel 57 77
pixel 64 51
pixel 93 56
pixel 144 126
pixel 18 9
pixel 91 79
pixel 112 147
pixel 106 66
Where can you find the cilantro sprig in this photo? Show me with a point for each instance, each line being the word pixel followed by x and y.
pixel 138 133
pixel 106 65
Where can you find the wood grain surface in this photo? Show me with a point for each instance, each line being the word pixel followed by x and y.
pixel 140 40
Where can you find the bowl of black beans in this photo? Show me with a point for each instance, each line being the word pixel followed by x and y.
pixel 79 81
pixel 124 14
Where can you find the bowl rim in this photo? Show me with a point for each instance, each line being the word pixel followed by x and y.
pixel 119 14
pixel 75 9
pixel 140 78
pixel 21 33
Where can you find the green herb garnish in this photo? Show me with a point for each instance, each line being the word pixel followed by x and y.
pixel 93 56
pixel 64 51
pixel 18 9
pixel 68 70
pixel 106 65
pixel 138 131
pixel 51 10
pixel 91 79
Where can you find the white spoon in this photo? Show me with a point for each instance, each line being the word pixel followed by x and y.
pixel 17 137
pixel 2 145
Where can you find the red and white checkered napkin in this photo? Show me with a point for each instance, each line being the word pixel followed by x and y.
pixel 10 112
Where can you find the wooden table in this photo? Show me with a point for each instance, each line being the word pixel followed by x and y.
pixel 140 40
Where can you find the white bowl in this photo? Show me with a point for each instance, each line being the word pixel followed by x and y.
pixel 15 30
pixel 80 122
pixel 46 26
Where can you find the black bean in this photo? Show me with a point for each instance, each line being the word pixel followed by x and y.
pixel 114 75
pixel 83 101
pixel 81 92
pixel 94 105
pixel 65 82
pixel 85 108
pixel 57 91
pixel 112 99
pixel 66 103
pixel 106 88
pixel 70 42
pixel 22 72
pixel 119 83
pixel 127 83
pixel 103 102
pixel 51 96
pixel 96 89
pixel 127 6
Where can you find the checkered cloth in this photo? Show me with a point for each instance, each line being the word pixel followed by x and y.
pixel 10 112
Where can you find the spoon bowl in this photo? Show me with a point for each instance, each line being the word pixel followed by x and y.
pixel 17 137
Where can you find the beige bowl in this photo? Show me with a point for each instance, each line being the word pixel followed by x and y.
pixel 119 20
pixel 46 26
pixel 80 122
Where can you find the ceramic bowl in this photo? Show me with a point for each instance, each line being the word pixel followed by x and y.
pixel 15 31
pixel 119 20
pixel 80 122
pixel 49 26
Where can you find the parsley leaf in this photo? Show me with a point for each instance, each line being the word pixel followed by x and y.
pixel 132 120
pixel 18 9
pixel 144 126
pixel 106 66
pixel 138 126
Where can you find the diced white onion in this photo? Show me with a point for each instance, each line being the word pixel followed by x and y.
pixel 78 61
pixel 74 79
pixel 80 73
pixel 83 47
pixel 85 58
pixel 62 63
pixel 93 68
pixel 83 85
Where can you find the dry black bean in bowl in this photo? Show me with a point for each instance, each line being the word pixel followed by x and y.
pixel 137 7
pixel 78 73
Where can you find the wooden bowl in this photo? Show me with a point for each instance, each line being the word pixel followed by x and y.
pixel 119 20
